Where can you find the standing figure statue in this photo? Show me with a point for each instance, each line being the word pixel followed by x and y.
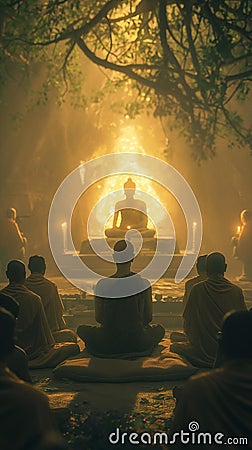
pixel 132 213
pixel 12 240
pixel 242 243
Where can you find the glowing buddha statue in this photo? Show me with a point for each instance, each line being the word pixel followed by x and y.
pixel 132 213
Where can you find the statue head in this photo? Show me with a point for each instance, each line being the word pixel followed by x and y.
pixel 246 216
pixel 11 213
pixel 129 188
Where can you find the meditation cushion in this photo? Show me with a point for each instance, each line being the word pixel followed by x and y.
pixel 54 356
pixel 65 335
pixel 161 365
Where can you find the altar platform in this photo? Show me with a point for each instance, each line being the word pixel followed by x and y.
pixel 167 297
pixel 166 250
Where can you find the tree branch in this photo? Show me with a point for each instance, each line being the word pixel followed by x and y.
pixel 239 76
pixel 126 70
pixel 171 89
pixel 188 21
pixel 247 138
pixel 170 57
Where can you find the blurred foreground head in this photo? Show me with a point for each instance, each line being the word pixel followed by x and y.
pixel 236 335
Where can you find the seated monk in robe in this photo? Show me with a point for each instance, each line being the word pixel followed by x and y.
pixel 133 215
pixel 202 276
pixel 26 421
pixel 207 305
pixel 220 401
pixel 243 245
pixel 32 331
pixel 125 319
pixel 48 292
pixel 17 360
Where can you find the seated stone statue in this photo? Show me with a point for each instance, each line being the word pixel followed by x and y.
pixel 243 245
pixel 133 215
pixel 12 241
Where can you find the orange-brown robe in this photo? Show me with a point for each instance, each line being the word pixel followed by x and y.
pixel 124 321
pixel 207 305
pixel 33 332
pixel 220 401
pixel 189 285
pixel 25 415
pixel 177 336
pixel 54 309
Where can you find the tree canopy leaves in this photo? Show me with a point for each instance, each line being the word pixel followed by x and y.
pixel 189 61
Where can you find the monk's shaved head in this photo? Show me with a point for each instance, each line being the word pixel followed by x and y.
pixel 216 264
pixel 37 264
pixel 16 271
pixel 123 246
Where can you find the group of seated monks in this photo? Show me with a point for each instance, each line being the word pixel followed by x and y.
pixel 41 334
pixel 217 335
pixel 208 298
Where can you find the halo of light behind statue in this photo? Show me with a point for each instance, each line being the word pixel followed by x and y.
pixel 134 164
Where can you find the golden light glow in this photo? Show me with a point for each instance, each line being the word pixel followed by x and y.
pixel 127 143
